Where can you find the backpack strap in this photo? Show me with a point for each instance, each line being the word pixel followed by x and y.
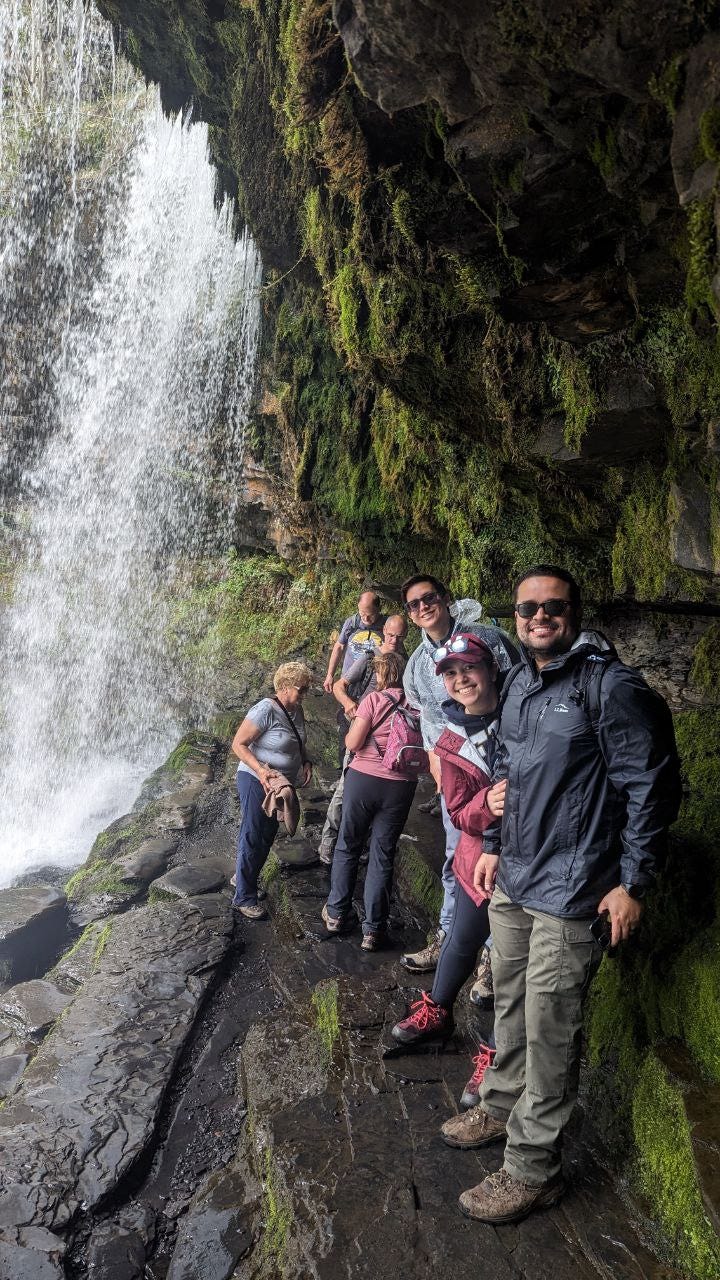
pixel 385 715
pixel 586 692
pixel 291 723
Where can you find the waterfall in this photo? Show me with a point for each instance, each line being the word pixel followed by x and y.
pixel 130 315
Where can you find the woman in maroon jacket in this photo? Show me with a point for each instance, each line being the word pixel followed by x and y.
pixel 466 749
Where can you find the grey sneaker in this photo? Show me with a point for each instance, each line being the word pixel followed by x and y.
pixel 433 807
pixel 502 1198
pixel 482 992
pixel 474 1128
pixel 426 960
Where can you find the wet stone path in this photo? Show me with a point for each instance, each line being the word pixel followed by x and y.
pixel 223 1099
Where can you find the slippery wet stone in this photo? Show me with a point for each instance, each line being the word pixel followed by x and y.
pixel 147 861
pixel 11 1069
pixel 192 878
pixel 77 964
pixel 33 921
pixel 89 1101
pixel 30 1253
pixel 178 810
pixel 31 1008
pixel 216 1232
pixel 115 1253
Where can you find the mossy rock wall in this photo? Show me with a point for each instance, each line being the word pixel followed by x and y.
pixel 490 311
pixel 489 319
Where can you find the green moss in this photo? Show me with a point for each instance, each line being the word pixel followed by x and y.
pixel 100 877
pixel 178 758
pixel 325 1015
pixel 78 880
pixel 270 871
pixel 424 887
pixel 277 1214
pixel 157 896
pixel 666 85
pixel 102 940
pixel 603 152
pixel 666 1172
pixel 709 131
pixel 705 670
pixel 702 240
pixel 641 553
pixel 572 389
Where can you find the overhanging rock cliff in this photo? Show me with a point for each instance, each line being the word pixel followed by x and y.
pixel 490 247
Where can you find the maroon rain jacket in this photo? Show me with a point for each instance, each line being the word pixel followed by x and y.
pixel 464 786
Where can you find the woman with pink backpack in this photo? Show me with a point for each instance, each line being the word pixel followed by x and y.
pixel 379 788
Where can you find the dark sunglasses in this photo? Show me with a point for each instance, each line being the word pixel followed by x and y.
pixel 553 608
pixel 430 597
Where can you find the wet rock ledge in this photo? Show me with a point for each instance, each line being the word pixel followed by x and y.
pixel 190 1097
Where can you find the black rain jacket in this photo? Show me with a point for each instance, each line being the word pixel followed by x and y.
pixel 588 749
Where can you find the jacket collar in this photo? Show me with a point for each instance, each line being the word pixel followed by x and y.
pixel 586 642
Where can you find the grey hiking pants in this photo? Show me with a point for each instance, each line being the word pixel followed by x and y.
pixel 542 967
pixel 329 836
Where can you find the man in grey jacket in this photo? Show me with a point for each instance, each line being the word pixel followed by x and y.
pixel 588 752
pixel 428 604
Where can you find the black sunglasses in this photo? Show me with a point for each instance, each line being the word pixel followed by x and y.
pixel 430 597
pixel 553 608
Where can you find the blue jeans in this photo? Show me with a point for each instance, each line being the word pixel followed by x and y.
pixel 255 838
pixel 452 835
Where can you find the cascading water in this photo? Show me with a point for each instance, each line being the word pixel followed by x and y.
pixel 134 313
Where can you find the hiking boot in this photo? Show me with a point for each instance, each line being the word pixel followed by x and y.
pixel 481 1062
pixel 373 941
pixel 426 960
pixel 474 1128
pixel 501 1198
pixel 325 854
pixel 332 924
pixel 481 992
pixel 432 807
pixel 261 893
pixel 251 911
pixel 427 1021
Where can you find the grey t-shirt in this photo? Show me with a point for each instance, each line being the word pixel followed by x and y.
pixel 277 745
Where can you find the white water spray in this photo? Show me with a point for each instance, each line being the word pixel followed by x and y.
pixel 136 409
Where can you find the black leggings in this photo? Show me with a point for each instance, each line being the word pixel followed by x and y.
pixel 469 930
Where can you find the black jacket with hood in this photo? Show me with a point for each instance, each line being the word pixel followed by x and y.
pixel 589 753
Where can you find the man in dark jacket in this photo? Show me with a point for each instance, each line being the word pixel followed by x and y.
pixel 589 755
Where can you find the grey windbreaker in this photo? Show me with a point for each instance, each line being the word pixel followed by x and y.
pixel 593 780
pixel 426 691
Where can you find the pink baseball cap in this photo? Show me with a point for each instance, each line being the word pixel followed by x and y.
pixel 462 647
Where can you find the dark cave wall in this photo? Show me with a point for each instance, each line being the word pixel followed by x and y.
pixel 490 337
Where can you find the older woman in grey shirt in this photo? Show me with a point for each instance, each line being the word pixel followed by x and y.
pixel 271 739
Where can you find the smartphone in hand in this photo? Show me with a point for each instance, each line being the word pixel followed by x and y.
pixel 601 931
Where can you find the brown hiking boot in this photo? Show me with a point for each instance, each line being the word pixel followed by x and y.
pixel 475 1128
pixel 481 992
pixel 426 960
pixel 501 1198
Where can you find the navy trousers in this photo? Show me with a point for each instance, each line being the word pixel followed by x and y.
pixel 380 807
pixel 255 838
pixel 468 932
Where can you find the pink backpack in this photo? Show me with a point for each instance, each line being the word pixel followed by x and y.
pixel 404 752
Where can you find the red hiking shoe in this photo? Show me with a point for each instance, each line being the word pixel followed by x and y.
pixel 481 1062
pixel 427 1021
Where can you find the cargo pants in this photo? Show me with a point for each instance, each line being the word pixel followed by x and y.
pixel 542 968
